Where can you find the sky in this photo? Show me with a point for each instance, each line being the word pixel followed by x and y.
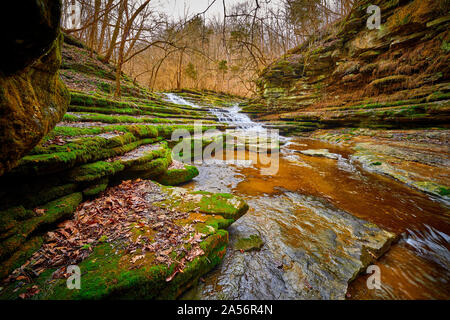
pixel 176 8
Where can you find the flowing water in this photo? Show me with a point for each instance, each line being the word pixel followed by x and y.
pixel 172 97
pixel 309 214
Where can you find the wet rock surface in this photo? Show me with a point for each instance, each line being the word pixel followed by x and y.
pixel 320 153
pixel 311 251
pixel 421 164
pixel 306 213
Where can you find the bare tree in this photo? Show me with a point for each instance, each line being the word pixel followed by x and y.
pixel 223 53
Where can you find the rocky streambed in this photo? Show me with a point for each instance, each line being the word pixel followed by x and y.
pixel 322 219
pixel 337 202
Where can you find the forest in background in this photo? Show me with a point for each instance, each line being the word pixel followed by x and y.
pixel 224 53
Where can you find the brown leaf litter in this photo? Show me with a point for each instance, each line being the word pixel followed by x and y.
pixel 123 216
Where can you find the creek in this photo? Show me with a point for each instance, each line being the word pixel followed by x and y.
pixel 314 216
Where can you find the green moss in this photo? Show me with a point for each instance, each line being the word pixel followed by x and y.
pixel 383 82
pixel 96 188
pixel 54 212
pixel 436 96
pixel 178 176
pixel 251 243
pixel 20 256
pixel 150 169
pixel 60 209
pixel 224 204
pixel 80 152
pixel 444 191
pixel 9 217
pixel 112 119
pixel 428 186
pixel 95 171
pixel 91 103
pixel 150 166
pixel 48 194
pixel 139 131
pixel 162 152
pixel 108 273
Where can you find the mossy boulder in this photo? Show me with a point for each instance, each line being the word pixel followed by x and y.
pixel 224 204
pixel 346 64
pixel 174 177
pixel 26 42
pixel 32 97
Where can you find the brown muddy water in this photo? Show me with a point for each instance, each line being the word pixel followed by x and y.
pixel 306 212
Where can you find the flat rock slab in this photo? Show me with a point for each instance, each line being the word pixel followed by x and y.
pixel 312 250
pixel 320 153
pixel 419 169
pixel 137 153
pixel 224 204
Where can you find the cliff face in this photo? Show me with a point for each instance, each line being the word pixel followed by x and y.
pixel 348 75
pixel 32 97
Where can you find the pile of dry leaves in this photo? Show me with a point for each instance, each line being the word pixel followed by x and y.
pixel 116 217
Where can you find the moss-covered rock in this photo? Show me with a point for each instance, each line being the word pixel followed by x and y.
pixel 46 216
pixel 113 271
pixel 9 217
pixel 346 65
pixel 108 274
pixel 251 243
pixel 96 187
pixel 174 177
pixel 95 171
pixel 26 43
pixel 224 204
pixel 32 97
pixel 149 166
pixel 20 256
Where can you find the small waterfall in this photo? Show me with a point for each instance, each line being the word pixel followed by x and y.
pixel 172 97
pixel 234 117
pixel 231 116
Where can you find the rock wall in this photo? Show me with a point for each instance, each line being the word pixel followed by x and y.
pixel 348 75
pixel 32 97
